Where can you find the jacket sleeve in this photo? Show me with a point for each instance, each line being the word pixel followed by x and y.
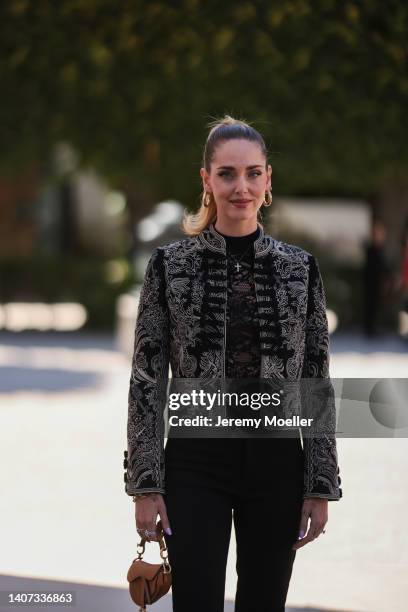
pixel 321 477
pixel 144 458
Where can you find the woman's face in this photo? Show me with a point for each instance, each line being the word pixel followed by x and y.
pixel 238 180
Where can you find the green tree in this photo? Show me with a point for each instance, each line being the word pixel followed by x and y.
pixel 132 84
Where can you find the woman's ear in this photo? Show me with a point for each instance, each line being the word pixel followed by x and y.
pixel 205 177
pixel 269 185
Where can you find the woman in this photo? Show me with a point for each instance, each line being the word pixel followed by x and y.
pixel 229 301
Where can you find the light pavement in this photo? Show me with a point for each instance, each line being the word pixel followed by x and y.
pixel 66 518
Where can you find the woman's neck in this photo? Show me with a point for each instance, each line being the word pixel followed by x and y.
pixel 233 230
pixel 240 244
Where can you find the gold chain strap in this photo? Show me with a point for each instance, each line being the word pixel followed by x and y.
pixel 163 553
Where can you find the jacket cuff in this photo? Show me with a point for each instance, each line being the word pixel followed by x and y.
pixel 131 488
pixel 335 495
pixel 135 491
pixel 328 496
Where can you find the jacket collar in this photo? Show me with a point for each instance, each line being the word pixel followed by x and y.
pixel 214 241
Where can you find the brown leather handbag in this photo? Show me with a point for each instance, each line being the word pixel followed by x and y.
pixel 149 581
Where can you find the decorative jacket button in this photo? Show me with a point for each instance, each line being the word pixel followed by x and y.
pixel 125 463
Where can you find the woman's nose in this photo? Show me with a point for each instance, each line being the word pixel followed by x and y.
pixel 241 185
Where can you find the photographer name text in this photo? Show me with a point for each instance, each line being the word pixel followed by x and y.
pixel 255 423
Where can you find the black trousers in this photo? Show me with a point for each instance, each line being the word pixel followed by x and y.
pixel 255 483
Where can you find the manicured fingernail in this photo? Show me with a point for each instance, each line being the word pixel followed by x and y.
pixel 301 534
pixel 168 531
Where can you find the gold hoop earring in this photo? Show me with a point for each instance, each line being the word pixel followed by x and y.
pixel 268 198
pixel 207 199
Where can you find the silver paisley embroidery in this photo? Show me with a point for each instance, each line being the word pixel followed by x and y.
pixel 181 322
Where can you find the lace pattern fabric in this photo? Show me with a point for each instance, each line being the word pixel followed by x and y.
pixel 243 356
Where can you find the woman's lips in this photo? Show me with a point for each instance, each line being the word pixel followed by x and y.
pixel 241 203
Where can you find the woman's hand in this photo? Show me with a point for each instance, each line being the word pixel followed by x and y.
pixel 146 512
pixel 316 509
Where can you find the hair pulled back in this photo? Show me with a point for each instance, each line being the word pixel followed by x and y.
pixel 226 128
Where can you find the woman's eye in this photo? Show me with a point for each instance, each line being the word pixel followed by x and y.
pixel 226 173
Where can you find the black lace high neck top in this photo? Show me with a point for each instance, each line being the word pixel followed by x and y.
pixel 242 334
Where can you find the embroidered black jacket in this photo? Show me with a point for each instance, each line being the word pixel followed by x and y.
pixel 181 321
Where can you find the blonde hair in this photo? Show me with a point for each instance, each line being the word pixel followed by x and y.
pixel 226 128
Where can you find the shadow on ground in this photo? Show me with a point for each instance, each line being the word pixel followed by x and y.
pixel 15 378
pixel 346 342
pixel 80 341
pixel 94 598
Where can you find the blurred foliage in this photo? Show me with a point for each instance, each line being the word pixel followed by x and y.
pixel 132 84
pixel 343 282
pixel 66 279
